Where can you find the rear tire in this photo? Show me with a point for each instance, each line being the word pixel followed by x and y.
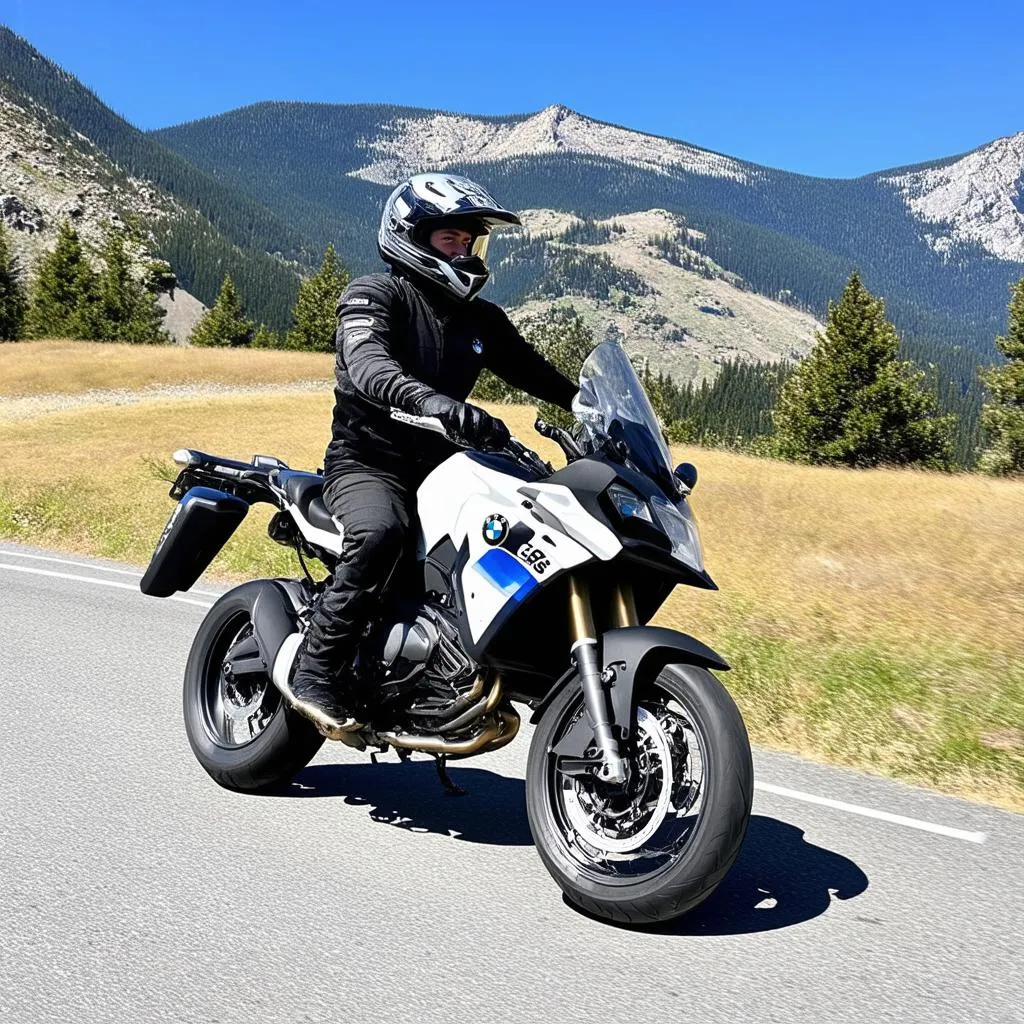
pixel 647 884
pixel 275 742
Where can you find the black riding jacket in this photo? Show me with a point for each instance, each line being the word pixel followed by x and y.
pixel 399 342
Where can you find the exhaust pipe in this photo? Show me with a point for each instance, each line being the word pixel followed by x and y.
pixel 495 734
pixel 478 710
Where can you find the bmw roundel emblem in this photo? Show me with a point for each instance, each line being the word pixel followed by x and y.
pixel 495 528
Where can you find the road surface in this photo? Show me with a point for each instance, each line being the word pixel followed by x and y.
pixel 132 888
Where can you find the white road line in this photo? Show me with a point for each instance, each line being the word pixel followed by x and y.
pixel 767 787
pixel 867 812
pixel 4 553
pixel 98 583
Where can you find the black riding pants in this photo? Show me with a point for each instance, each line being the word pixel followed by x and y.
pixel 375 509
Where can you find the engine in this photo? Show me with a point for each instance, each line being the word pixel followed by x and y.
pixel 423 653
pixel 443 703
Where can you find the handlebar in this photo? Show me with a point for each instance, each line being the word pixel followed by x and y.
pixel 516 449
pixel 561 437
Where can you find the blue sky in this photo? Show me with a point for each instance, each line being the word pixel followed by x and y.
pixel 821 88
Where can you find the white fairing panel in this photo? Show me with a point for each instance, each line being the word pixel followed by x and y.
pixel 561 502
pixel 510 552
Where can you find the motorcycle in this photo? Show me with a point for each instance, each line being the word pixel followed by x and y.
pixel 532 586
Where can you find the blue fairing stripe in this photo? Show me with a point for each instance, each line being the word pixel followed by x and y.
pixel 507 573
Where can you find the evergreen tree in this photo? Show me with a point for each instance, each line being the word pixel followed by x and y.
pixel 129 310
pixel 265 337
pixel 659 390
pixel 852 402
pixel 63 301
pixel 225 324
pixel 561 335
pixel 1003 416
pixel 12 292
pixel 490 388
pixel 314 318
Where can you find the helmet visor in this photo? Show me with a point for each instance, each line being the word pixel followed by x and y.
pixel 478 248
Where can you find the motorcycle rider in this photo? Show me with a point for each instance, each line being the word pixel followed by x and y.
pixel 410 343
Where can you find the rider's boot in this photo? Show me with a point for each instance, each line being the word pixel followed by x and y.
pixel 315 692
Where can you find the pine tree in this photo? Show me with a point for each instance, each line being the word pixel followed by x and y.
pixel 314 318
pixel 12 292
pixel 129 310
pixel 225 324
pixel 63 301
pixel 1003 416
pixel 561 335
pixel 659 391
pixel 491 388
pixel 851 402
pixel 265 337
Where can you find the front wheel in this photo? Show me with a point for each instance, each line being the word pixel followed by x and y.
pixel 655 848
pixel 238 726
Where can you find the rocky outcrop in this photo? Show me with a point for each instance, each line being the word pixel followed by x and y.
pixel 49 174
pixel 409 144
pixel 181 313
pixel 19 217
pixel 690 321
pixel 978 198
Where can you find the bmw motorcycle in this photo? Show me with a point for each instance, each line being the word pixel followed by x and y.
pixel 532 586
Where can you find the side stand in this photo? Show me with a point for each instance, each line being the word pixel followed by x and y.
pixel 442 773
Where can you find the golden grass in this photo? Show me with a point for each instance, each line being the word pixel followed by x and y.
pixel 904 555
pixel 73 367
pixel 873 618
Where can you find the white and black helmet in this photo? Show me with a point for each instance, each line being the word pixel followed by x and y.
pixel 427 202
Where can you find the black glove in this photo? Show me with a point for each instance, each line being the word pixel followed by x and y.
pixel 467 423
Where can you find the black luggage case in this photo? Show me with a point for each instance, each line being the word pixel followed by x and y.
pixel 198 528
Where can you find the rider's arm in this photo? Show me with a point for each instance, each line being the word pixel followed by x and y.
pixel 509 355
pixel 365 337
pixel 364 341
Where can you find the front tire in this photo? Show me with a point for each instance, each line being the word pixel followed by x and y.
pixel 656 850
pixel 240 729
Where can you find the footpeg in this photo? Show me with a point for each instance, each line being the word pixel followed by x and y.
pixel 348 737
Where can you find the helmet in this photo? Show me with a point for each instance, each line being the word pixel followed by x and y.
pixel 427 202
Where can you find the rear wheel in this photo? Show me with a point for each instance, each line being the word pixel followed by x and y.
pixel 238 726
pixel 654 849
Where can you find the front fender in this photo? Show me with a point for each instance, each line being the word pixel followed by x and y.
pixel 623 651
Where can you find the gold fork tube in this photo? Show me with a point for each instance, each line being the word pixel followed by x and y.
pixel 580 611
pixel 623 606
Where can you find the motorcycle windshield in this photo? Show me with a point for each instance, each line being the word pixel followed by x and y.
pixel 613 406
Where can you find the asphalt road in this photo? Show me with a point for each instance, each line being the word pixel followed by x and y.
pixel 132 888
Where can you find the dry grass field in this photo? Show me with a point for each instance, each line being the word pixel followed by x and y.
pixel 874 619
pixel 73 367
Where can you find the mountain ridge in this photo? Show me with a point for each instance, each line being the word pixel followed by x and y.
pixel 281 179
pixel 207 228
pixel 784 232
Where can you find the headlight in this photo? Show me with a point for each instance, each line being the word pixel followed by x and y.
pixel 628 504
pixel 681 530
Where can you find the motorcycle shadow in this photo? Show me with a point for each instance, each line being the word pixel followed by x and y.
pixel 778 880
pixel 410 796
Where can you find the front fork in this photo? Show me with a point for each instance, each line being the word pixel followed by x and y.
pixel 614 766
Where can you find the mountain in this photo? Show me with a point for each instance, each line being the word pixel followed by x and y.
pixel 940 242
pixel 693 257
pixel 643 278
pixel 62 149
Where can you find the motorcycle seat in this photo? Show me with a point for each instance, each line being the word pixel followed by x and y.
pixel 304 490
